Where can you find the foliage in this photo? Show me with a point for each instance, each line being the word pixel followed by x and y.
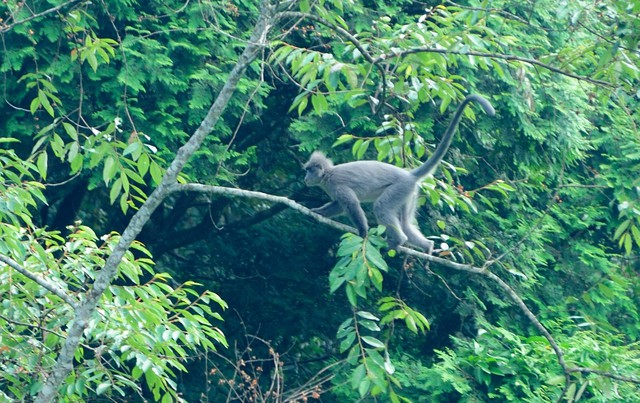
pixel 359 270
pixel 142 332
pixel 144 328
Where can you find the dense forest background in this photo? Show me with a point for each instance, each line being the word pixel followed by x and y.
pixel 155 240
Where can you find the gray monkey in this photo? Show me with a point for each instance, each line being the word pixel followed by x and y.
pixel 392 190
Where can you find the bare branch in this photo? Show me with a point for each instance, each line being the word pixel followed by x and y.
pixel 42 282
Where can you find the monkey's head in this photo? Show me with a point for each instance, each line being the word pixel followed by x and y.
pixel 316 169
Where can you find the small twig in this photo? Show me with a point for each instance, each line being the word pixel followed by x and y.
pixel 31 325
pixel 443 281
pixel 629 379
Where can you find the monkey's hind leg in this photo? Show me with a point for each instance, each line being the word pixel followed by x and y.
pixel 414 235
pixel 388 209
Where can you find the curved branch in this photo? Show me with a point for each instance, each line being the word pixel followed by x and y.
pixel 506 288
pixel 501 56
pixel 42 282
pixel 233 192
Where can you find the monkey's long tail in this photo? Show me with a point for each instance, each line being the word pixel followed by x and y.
pixel 432 163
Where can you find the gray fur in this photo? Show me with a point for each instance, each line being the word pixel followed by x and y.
pixel 392 190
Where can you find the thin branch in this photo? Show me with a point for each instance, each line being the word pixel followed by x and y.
pixel 42 282
pixel 31 326
pixel 494 56
pixel 6 28
pixel 377 60
pixel 494 10
pixel 343 32
pixel 629 379
pixel 233 192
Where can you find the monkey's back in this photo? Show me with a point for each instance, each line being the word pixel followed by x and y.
pixel 368 179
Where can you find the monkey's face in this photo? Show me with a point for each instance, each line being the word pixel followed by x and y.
pixel 314 175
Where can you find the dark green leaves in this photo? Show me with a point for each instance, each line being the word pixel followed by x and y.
pixel 360 266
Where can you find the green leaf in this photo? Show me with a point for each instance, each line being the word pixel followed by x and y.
pixel 304 6
pixel 92 60
pixel 74 148
pixel 35 104
pixel 302 105
pixel 134 148
pixel 367 315
pixel 345 138
pixel 373 342
pixel 116 188
pixel 636 234
pixel 628 243
pixel 351 294
pixel 143 164
pixel 364 387
pixel 622 228
pixel 374 257
pixel 103 387
pixel 358 376
pixel 124 203
pixel 411 324
pixel 156 172
pixel 71 130
pixel 388 365
pixel 347 342
pixel 44 100
pixel 42 164
pixel 109 170
pixel 319 103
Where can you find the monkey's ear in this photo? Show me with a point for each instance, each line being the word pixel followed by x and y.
pixel 319 158
pixel 317 155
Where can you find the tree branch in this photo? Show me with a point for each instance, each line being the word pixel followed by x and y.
pixel 506 288
pixel 42 282
pixel 377 60
pixel 501 56
pixel 233 192
pixel 629 379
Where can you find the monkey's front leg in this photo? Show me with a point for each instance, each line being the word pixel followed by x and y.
pixel 330 209
pixel 351 206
